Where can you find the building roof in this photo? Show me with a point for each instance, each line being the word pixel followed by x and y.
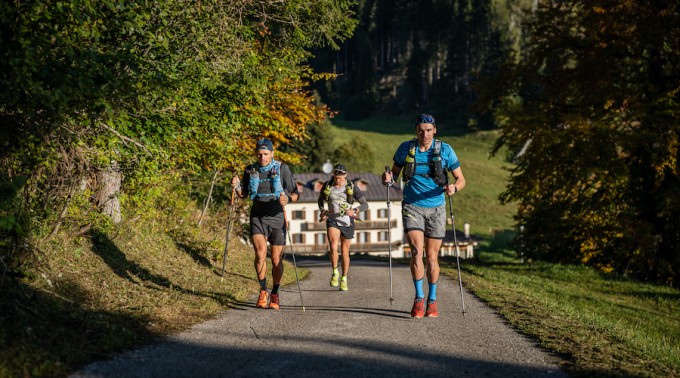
pixel 370 184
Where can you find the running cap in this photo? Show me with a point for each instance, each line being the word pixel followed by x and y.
pixel 264 144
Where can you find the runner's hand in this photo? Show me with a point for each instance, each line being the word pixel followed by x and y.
pixel 323 215
pixel 387 177
pixel 283 199
pixel 450 189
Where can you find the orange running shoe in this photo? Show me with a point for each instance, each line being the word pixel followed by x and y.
pixel 263 299
pixel 432 311
pixel 418 309
pixel 274 302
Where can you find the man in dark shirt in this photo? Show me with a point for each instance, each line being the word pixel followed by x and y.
pixel 270 186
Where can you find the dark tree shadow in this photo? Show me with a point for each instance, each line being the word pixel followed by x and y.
pixel 130 270
pixel 119 263
pixel 194 253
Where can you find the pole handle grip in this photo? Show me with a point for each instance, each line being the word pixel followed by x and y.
pixel 233 192
pixel 388 170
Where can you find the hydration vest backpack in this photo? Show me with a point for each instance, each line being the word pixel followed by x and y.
pixel 349 190
pixel 437 172
pixel 274 179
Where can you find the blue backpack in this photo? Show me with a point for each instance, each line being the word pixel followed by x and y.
pixel 274 179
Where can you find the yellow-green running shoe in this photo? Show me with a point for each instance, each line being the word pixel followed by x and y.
pixel 334 280
pixel 343 285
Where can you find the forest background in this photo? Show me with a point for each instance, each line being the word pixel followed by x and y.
pixel 585 95
pixel 125 113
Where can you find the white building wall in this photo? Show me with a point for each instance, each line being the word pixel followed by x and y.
pixel 397 233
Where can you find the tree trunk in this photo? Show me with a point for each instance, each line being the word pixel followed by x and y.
pixel 108 183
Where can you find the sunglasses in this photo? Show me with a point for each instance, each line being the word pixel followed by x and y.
pixel 340 172
pixel 425 119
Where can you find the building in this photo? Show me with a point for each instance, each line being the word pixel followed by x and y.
pixel 371 233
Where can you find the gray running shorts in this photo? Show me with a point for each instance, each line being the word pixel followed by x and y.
pixel 272 228
pixel 347 232
pixel 430 220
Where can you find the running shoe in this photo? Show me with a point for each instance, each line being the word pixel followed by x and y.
pixel 343 285
pixel 274 302
pixel 418 309
pixel 334 280
pixel 432 311
pixel 263 299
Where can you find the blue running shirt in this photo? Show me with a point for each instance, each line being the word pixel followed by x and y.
pixel 423 191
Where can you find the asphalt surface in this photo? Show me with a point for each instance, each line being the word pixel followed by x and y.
pixel 357 333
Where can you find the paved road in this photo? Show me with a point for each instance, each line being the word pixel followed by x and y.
pixel 355 333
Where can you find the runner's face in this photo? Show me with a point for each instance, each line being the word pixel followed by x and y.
pixel 426 132
pixel 264 157
pixel 339 176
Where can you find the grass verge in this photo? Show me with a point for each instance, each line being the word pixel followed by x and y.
pixel 605 325
pixel 93 296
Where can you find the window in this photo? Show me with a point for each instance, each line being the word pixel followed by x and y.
pixel 363 237
pixel 298 238
pixel 299 214
pixel 320 238
pixel 382 213
pixel 365 215
pixel 382 236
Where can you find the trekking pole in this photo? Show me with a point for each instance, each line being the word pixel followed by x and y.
pixel 455 243
pixel 389 233
pixel 290 242
pixel 229 223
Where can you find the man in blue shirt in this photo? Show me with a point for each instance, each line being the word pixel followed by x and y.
pixel 425 162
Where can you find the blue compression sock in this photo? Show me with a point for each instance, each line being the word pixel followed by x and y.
pixel 432 295
pixel 419 288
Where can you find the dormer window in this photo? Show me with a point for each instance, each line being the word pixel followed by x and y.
pixel 361 184
pixel 317 185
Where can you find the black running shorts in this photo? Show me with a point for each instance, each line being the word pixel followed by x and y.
pixel 347 232
pixel 273 229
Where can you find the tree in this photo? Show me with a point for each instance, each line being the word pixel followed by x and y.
pixel 357 155
pixel 595 99
pixel 315 150
pixel 409 56
pixel 136 92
